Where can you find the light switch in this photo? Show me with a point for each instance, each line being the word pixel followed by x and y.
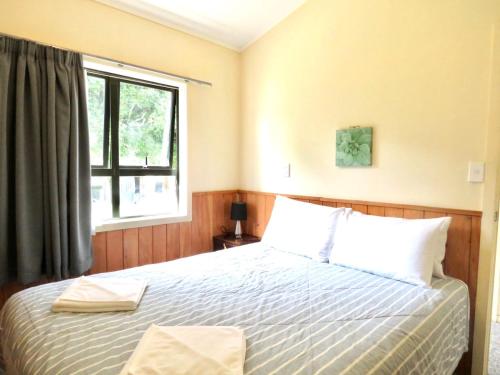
pixel 476 172
pixel 285 170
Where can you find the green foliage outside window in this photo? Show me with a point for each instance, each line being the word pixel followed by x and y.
pixel 145 115
pixel 144 124
pixel 95 105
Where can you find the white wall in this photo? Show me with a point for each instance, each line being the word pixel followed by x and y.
pixel 415 70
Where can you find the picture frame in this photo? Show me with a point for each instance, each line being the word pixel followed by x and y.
pixel 354 147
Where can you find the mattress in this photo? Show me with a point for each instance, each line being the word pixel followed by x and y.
pixel 299 316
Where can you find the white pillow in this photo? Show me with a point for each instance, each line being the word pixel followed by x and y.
pixel 302 228
pixel 439 244
pixel 401 249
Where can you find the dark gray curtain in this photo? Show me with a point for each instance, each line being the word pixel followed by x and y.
pixel 45 202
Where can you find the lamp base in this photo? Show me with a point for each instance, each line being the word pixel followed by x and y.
pixel 237 231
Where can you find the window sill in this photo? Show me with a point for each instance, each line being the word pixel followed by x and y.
pixel 138 222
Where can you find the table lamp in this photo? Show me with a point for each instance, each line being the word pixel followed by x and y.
pixel 238 212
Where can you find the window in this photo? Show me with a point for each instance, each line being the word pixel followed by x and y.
pixel 134 146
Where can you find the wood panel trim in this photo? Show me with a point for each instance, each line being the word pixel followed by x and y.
pixel 216 192
pixel 368 203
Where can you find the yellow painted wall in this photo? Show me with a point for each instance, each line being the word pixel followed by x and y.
pixel 88 26
pixel 415 70
pixel 423 73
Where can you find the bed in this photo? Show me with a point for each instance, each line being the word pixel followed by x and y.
pixel 300 316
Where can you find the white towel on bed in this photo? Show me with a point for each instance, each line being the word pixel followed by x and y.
pixel 188 350
pixel 99 294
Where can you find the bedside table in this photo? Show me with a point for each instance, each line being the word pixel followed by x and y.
pixel 225 241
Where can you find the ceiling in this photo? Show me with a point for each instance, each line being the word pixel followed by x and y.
pixel 231 23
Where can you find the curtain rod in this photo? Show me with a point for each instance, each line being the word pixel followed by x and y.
pixel 118 62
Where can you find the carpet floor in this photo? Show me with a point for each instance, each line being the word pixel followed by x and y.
pixel 494 361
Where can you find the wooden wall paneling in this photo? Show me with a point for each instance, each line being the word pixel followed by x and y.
pixel 363 208
pixel 242 196
pixel 474 257
pixel 99 253
pixel 316 201
pixel 329 203
pixel 206 223
pixel 413 214
pixel 302 199
pixel 394 212
pixel 159 243
pixel 261 215
pixel 114 250
pixel 173 241
pixel 349 203
pixel 258 206
pixel 458 247
pixel 218 214
pixel 185 239
pixel 145 245
pixel 376 210
pixel 251 223
pixel 195 227
pixel 432 214
pixel 201 226
pixel 269 205
pixel 131 247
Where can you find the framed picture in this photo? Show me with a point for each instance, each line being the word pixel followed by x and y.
pixel 354 147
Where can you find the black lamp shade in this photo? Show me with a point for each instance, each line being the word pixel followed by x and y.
pixel 238 211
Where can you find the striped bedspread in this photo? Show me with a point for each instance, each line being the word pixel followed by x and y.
pixel 299 317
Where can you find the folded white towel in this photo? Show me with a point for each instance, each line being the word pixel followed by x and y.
pixel 99 294
pixel 188 350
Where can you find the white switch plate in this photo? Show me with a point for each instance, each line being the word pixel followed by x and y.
pixel 285 170
pixel 476 172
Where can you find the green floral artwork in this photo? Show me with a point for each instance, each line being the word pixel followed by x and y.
pixel 354 147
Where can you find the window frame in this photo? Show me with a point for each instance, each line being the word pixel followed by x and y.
pixel 110 166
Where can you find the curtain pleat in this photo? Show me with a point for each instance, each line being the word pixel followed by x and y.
pixel 44 163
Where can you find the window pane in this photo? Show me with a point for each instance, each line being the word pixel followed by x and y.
pixel 148 195
pixel 101 199
pixel 96 89
pixel 145 115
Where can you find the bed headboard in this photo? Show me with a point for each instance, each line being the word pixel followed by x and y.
pixel 462 247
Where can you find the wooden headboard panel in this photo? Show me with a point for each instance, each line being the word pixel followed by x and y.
pixel 462 248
